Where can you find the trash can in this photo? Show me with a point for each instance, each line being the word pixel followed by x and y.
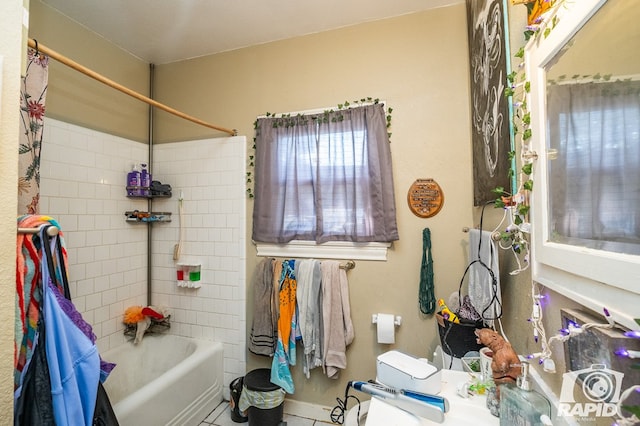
pixel 262 400
pixel 235 390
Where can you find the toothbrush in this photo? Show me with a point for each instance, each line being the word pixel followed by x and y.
pixel 432 407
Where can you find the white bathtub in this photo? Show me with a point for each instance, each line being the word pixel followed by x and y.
pixel 165 380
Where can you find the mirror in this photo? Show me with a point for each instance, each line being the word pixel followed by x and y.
pixel 607 44
pixel 585 122
pixel 593 124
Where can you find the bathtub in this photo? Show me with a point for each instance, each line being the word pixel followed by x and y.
pixel 165 380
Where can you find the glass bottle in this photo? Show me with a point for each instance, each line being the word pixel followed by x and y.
pixel 519 405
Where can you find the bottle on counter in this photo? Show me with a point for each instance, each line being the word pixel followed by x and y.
pixel 519 405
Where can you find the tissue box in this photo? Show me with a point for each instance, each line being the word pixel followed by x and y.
pixel 401 371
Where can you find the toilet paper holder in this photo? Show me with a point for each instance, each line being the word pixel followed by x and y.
pixel 397 320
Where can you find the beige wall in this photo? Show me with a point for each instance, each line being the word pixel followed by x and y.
pixel 11 34
pixel 418 64
pixel 75 98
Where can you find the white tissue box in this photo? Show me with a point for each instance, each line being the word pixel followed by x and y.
pixel 401 371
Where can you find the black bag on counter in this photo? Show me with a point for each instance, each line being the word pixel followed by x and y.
pixel 458 338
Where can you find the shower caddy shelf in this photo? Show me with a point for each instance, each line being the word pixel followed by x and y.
pixel 139 188
pixel 157 326
pixel 136 216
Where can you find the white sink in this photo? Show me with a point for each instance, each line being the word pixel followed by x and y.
pixel 470 411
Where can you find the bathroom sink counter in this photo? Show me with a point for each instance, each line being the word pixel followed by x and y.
pixel 470 411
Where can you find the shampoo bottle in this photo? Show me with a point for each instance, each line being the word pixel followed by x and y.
pixel 133 181
pixel 519 405
pixel 145 178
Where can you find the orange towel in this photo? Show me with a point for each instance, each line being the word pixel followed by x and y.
pixel 287 308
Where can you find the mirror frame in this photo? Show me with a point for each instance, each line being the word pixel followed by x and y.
pixel 593 278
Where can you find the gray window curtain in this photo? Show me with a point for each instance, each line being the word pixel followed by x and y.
pixel 324 177
pixel 594 183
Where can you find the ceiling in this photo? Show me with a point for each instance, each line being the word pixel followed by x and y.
pixel 163 31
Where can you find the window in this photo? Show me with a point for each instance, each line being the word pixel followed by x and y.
pixel 324 177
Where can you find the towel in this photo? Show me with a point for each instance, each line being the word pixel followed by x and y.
pixel 296 271
pixel 285 347
pixel 29 289
pixel 336 315
pixel 303 271
pixel 72 354
pixel 262 340
pixel 275 295
pixel 309 299
pixel 287 303
pixel 484 289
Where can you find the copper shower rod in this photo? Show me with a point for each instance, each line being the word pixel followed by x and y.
pixel 88 72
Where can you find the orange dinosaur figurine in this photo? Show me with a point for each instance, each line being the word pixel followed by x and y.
pixel 505 364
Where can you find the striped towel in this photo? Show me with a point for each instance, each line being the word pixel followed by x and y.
pixel 29 289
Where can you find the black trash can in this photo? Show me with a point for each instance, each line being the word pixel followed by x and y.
pixel 267 407
pixel 235 390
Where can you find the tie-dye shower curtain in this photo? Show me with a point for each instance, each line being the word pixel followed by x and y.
pixel 32 97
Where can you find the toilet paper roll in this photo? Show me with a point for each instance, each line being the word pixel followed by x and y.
pixel 386 329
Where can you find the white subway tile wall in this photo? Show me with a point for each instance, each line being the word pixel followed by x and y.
pixel 210 177
pixel 83 179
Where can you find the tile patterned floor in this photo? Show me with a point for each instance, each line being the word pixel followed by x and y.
pixel 222 417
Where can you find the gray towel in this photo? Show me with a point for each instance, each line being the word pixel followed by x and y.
pixel 264 334
pixel 336 316
pixel 483 291
pixel 309 313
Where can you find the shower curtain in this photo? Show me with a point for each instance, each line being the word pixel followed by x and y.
pixel 32 99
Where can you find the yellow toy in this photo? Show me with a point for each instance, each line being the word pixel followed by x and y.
pixel 447 313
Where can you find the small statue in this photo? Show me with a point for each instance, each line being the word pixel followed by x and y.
pixel 506 364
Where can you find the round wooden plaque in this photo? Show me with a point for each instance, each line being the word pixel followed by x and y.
pixel 425 197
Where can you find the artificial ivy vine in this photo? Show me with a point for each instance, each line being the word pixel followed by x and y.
pixel 517 92
pixel 287 120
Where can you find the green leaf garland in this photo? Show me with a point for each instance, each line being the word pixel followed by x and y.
pixel 287 120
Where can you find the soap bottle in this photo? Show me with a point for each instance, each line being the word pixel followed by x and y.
pixel 133 181
pixel 519 405
pixel 145 179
